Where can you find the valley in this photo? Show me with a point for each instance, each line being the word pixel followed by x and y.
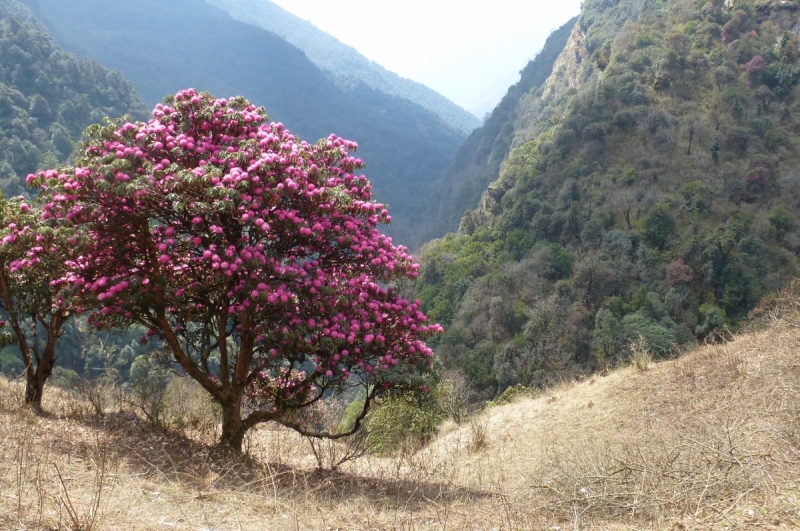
pixel 250 279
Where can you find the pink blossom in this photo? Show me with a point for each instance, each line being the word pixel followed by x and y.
pixel 305 270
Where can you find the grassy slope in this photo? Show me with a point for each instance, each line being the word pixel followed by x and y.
pixel 706 441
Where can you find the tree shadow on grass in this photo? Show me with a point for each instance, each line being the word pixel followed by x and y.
pixel 171 456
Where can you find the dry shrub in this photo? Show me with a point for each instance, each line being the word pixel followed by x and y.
pixel 147 396
pixel 478 433
pixel 83 516
pixel 332 454
pixel 101 395
pixel 455 396
pixel 189 408
pixel 640 353
pixel 783 305
pixel 11 393
pixel 33 477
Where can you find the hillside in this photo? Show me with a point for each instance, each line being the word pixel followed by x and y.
pixel 344 64
pixel 477 161
pixel 168 46
pixel 706 441
pixel 653 190
pixel 47 99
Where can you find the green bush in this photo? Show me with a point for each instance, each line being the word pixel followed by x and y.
pixel 643 39
pixel 401 422
pixel 782 220
pixel 10 364
pixel 660 339
pixel 513 393
pixel 659 226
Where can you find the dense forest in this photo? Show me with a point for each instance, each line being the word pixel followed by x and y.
pixel 47 99
pixel 653 192
pixel 167 46
pixel 344 64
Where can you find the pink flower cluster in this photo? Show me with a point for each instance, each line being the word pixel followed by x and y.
pixel 208 216
pixel 32 254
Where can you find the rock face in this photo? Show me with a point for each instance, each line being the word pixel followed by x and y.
pixel 567 68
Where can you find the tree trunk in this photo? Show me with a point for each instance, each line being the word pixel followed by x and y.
pixel 34 388
pixel 34 384
pixel 233 427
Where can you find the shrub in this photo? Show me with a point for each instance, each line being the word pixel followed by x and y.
pixel 404 421
pixel 513 393
pixel 782 220
pixel 659 226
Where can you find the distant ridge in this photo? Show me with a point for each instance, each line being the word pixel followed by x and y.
pixel 47 99
pixel 167 46
pixel 477 162
pixel 344 63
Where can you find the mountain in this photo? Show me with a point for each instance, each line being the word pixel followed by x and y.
pixel 167 46
pixel 344 64
pixel 651 194
pixel 47 98
pixel 477 162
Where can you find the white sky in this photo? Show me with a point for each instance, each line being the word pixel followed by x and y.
pixel 465 49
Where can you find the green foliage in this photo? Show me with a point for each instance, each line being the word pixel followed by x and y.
pixel 781 220
pixel 558 262
pixel 403 421
pixel 687 137
pixel 607 335
pixel 659 227
pixel 513 393
pixel 10 364
pixel 643 39
pixel 47 98
pixel 713 319
pixel 660 339
pixel 698 196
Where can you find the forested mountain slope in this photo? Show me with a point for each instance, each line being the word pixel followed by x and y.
pixel 477 162
pixel 47 99
pixel 655 193
pixel 168 46
pixel 344 63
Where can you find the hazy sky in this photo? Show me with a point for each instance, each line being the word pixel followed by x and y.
pixel 468 50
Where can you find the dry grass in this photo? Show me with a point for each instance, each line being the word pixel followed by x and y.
pixel 707 441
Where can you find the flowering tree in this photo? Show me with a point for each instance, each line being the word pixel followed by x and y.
pixel 32 257
pixel 252 255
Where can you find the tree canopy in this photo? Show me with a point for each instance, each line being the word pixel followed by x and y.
pixel 252 255
pixel 32 258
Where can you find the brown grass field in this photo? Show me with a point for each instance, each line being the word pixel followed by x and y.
pixel 710 440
